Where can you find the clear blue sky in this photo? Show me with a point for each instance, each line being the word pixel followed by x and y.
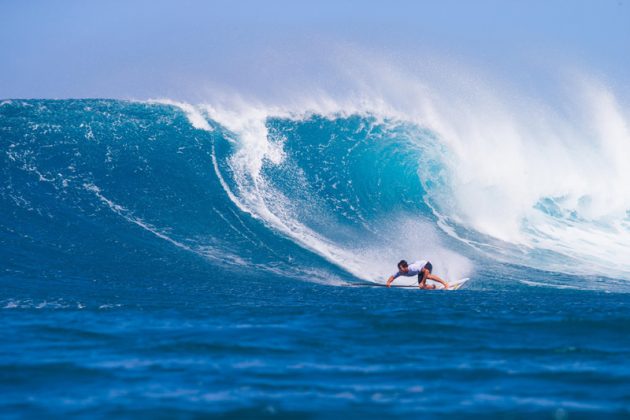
pixel 142 49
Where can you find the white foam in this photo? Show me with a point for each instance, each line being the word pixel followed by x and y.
pixel 123 212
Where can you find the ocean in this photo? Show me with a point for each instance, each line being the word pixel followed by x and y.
pixel 160 259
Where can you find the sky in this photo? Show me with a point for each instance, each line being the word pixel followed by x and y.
pixel 183 49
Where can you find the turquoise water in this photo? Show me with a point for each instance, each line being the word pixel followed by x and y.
pixel 152 268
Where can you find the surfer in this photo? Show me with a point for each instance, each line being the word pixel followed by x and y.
pixel 422 269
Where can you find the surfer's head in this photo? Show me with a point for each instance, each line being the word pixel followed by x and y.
pixel 403 266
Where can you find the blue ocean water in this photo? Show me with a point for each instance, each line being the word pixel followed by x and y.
pixel 162 260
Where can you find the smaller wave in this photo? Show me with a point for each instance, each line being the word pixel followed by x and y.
pixel 550 285
pixel 45 304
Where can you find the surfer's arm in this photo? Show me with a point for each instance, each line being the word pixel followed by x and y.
pixel 390 280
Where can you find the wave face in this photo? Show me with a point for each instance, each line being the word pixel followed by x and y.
pixel 112 189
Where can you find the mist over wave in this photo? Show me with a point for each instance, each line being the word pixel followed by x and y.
pixel 536 179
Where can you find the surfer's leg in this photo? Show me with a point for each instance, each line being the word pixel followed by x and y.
pixel 422 278
pixel 436 278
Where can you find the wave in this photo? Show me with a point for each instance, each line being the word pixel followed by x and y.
pixel 329 193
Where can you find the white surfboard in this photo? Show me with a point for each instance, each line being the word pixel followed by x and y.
pixel 453 285
pixel 413 282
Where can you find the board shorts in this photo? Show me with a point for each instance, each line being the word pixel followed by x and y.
pixel 429 267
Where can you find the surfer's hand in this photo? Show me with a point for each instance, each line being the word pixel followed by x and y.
pixel 446 286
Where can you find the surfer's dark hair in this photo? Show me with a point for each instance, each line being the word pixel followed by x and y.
pixel 402 264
